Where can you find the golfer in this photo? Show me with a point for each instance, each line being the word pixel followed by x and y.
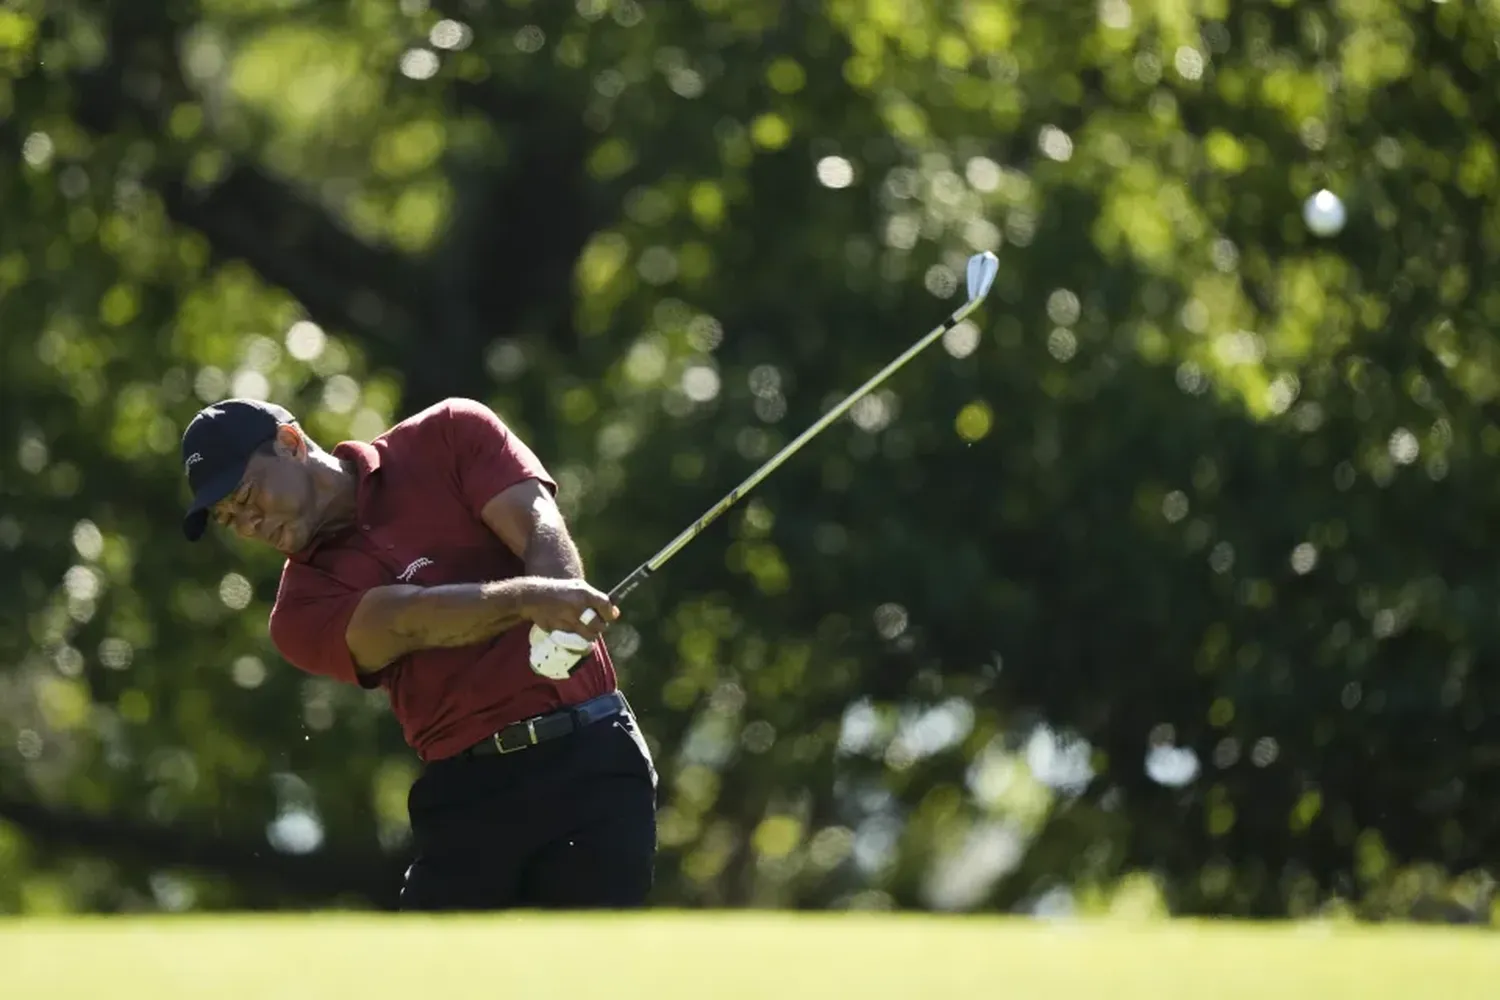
pixel 417 563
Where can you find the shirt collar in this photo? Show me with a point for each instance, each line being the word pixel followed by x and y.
pixel 366 458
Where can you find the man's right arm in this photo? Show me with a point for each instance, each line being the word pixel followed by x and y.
pixel 390 622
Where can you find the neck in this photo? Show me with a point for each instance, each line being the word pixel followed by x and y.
pixel 336 489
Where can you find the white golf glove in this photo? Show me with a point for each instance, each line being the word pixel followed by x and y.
pixel 555 654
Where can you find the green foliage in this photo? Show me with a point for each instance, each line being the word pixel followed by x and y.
pixel 1196 480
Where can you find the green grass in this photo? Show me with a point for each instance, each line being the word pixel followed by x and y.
pixel 665 956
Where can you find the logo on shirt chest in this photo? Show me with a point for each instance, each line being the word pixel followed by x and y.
pixel 410 572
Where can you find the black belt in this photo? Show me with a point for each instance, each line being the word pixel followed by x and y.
pixel 541 728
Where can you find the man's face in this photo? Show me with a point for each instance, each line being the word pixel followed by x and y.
pixel 274 501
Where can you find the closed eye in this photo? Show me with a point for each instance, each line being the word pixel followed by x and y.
pixel 224 513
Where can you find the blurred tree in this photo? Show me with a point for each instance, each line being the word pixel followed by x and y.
pixel 1172 563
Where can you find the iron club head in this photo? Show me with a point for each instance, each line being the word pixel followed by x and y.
pixel 981 274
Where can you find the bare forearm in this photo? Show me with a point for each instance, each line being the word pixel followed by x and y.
pixel 393 621
pixel 550 551
pixel 459 614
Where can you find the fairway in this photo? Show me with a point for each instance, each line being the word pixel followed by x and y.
pixel 664 956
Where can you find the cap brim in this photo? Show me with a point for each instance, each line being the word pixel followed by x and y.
pixel 195 522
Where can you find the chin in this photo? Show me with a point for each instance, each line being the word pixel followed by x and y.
pixel 292 541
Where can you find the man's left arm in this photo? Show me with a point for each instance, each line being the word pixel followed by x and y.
pixel 527 519
pixel 505 483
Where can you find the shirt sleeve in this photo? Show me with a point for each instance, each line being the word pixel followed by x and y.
pixel 488 456
pixel 309 621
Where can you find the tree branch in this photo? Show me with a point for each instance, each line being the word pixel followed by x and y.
pixel 293 243
pixel 319 877
pixel 289 240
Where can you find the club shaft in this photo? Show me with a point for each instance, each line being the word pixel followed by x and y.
pixel 734 496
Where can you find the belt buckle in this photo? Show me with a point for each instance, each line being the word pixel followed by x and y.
pixel 499 741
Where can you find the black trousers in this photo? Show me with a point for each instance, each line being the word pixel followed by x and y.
pixel 566 824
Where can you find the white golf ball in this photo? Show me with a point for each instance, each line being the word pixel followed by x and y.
pixel 1323 213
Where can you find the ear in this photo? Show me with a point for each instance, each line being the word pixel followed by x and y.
pixel 291 442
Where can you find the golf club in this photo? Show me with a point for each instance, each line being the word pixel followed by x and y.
pixel 554 654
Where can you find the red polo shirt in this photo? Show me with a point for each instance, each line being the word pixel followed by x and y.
pixel 422 485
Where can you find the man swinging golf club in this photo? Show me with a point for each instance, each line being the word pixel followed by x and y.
pixel 410 562
pixel 414 563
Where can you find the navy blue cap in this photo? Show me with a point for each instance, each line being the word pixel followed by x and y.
pixel 216 447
